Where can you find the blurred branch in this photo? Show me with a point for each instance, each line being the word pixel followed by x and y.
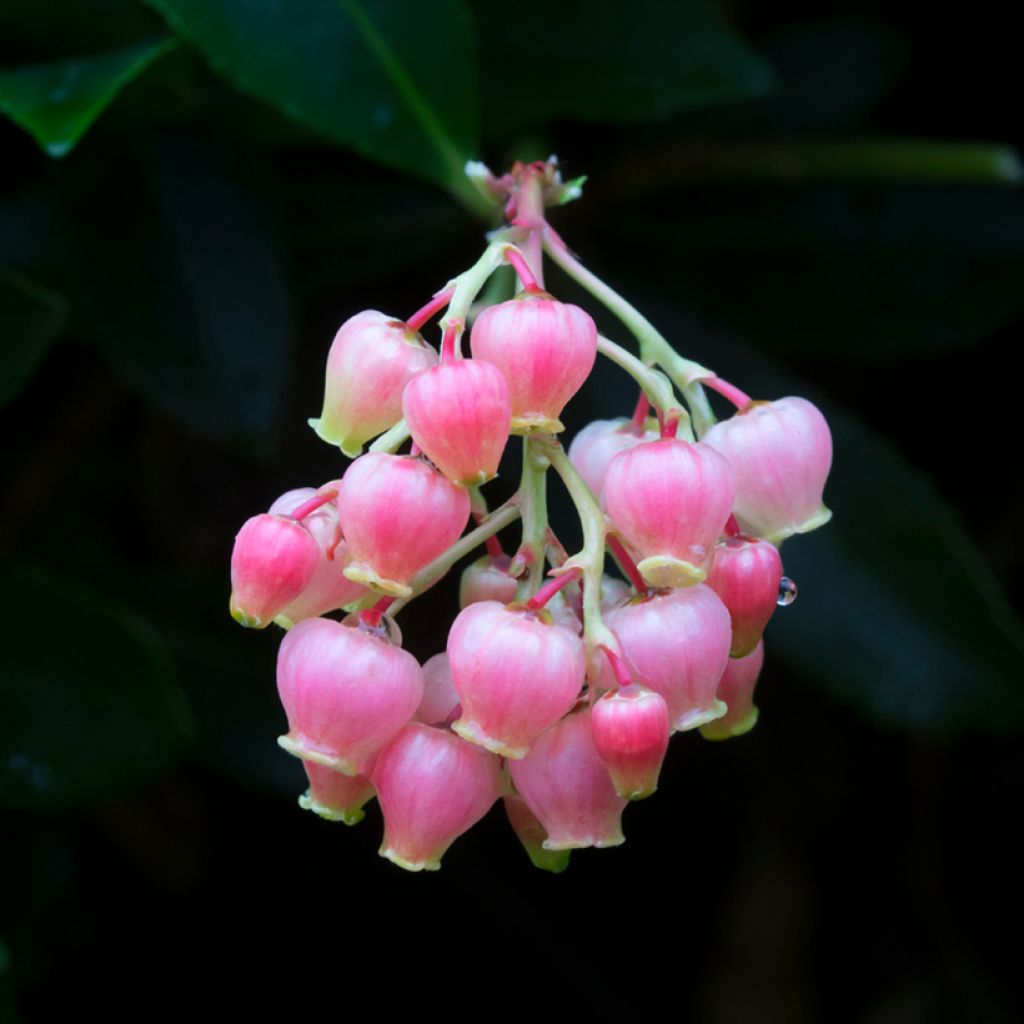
pixel 813 160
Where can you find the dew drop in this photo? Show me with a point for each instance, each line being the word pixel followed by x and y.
pixel 787 592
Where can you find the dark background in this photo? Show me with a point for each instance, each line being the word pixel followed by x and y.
pixel 819 199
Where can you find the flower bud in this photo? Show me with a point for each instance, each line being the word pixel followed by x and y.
pixel 676 643
pixel 566 785
pixel 432 787
pixel 372 358
pixel 670 500
pixel 546 350
pixel 598 443
pixel 736 688
pixel 487 579
pixel 346 692
pixel 631 733
pixel 459 414
pixel 273 561
pixel 398 514
pixel 516 673
pixel 532 834
pixel 746 574
pixel 781 453
pixel 335 796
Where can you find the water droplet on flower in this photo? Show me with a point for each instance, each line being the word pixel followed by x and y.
pixel 787 592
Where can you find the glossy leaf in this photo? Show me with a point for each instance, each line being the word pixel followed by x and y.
pixel 57 102
pixel 395 82
pixel 31 317
pixel 91 707
pixel 601 61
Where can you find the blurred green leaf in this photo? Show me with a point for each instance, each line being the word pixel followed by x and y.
pixel 91 707
pixel 394 81
pixel 56 103
pixel 188 298
pixel 31 317
pixel 899 613
pixel 596 60
pixel 873 274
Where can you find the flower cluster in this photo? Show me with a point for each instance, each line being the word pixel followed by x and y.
pixel 558 688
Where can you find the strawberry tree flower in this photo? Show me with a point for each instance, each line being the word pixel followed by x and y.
pixel 560 686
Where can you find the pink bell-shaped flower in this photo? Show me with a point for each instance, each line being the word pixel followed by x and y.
pixel 329 588
pixel 546 350
pixel 532 834
pixel 440 698
pixel 781 453
pixel 736 688
pixel 631 733
pixel 670 500
pixel 346 691
pixel 567 786
pixel 487 579
pixel 273 561
pixel 398 513
pixel 372 358
pixel 432 787
pixel 598 443
pixel 516 671
pixel 676 643
pixel 459 414
pixel 746 574
pixel 335 796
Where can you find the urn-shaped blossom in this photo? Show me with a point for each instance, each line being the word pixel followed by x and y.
pixel 329 588
pixel 516 672
pixel 398 513
pixel 631 733
pixel 567 786
pixel 459 414
pixel 346 692
pixel 669 500
pixel 781 453
pixel 745 574
pixel 335 796
pixel 532 834
pixel 736 689
pixel 546 350
pixel 432 787
pixel 372 358
pixel 598 443
pixel 273 561
pixel 676 643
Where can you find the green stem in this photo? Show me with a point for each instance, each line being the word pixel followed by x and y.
pixel 533 500
pixel 391 440
pixel 654 347
pixel 497 520
pixel 469 282
pixel 656 386
pixel 591 558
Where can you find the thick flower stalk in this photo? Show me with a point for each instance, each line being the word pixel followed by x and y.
pixel 565 673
